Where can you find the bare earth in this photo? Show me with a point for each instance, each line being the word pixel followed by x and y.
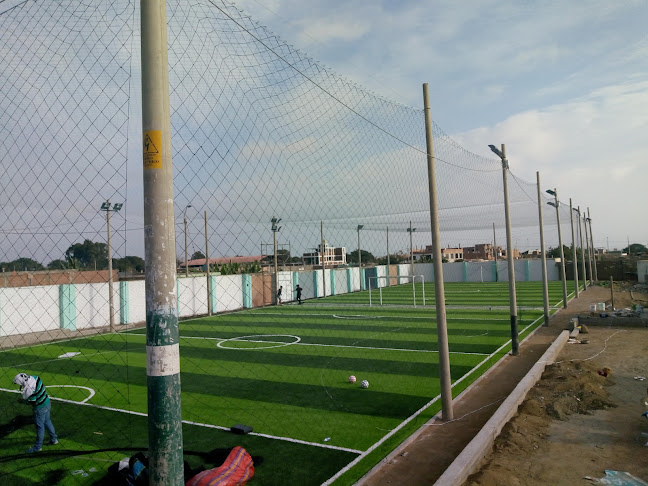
pixel 575 423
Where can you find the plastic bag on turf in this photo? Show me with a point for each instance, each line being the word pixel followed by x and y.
pixel 237 470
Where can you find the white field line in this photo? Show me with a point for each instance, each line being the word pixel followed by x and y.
pixel 198 424
pixel 412 417
pixel 323 345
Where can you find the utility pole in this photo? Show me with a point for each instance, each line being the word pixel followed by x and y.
pixel 275 229
pixel 411 231
pixel 184 217
pixel 545 285
pixel 162 332
pixel 323 252
pixel 111 311
pixel 589 219
pixel 209 290
pixel 509 250
pixel 439 290
pixel 574 254
pixel 580 233
pixel 360 226
pixel 563 276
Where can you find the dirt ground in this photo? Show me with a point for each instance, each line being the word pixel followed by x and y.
pixel 574 424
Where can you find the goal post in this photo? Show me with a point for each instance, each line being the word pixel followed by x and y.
pixel 374 283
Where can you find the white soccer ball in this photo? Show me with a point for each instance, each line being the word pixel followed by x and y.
pixel 364 384
pixel 352 379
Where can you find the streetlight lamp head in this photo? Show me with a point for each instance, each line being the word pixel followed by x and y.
pixel 105 206
pixel 550 203
pixel 117 206
pixel 360 226
pixel 496 151
pixel 549 191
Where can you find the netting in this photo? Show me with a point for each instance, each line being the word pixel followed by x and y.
pixel 260 131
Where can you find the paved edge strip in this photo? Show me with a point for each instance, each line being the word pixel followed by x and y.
pixel 468 461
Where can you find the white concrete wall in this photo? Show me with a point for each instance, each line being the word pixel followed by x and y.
pixel 355 279
pixel 284 280
pixel 192 296
pixel 403 269
pixel 29 309
pixel 92 305
pixel 340 281
pixel 306 283
pixel 136 301
pixel 229 292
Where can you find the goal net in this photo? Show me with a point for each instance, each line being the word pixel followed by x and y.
pixel 397 297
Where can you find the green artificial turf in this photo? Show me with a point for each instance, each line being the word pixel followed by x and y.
pixel 282 370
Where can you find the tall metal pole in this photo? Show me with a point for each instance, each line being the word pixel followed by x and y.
pixel 439 290
pixel 509 251
pixel 360 226
pixel 580 233
pixel 209 290
pixel 162 333
pixel 593 249
pixel 587 248
pixel 574 254
pixel 185 245
pixel 388 280
pixel 275 228
pixel 545 285
pixel 411 231
pixel 563 275
pixel 110 272
pixel 323 257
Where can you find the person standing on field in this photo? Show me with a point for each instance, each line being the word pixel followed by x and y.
pixel 298 289
pixel 279 295
pixel 34 393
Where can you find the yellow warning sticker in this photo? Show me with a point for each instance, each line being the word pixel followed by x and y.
pixel 152 149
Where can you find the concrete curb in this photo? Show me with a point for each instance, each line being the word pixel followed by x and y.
pixel 469 460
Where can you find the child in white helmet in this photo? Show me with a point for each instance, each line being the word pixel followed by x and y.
pixel 34 393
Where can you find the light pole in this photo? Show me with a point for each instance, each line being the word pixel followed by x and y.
pixel 509 249
pixel 543 254
pixel 580 235
pixel 184 216
pixel 275 228
pixel 108 208
pixel 574 255
pixel 411 230
pixel 360 226
pixel 589 220
pixel 556 204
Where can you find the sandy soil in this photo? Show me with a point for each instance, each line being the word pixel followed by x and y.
pixel 575 423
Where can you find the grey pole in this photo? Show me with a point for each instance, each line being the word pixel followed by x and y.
pixel 275 228
pixel 209 291
pixel 563 275
pixel 509 250
pixel 411 230
pixel 185 245
pixel 439 290
pixel 323 258
pixel 574 254
pixel 580 232
pixel 593 249
pixel 545 285
pixel 587 248
pixel 495 252
pixel 360 226
pixel 162 333
pixel 111 310
pixel 388 281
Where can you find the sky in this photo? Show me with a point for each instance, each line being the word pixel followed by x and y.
pixel 563 84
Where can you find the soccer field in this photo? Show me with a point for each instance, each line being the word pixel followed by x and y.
pixel 282 370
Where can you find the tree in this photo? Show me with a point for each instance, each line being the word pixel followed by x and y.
pixel 198 255
pixel 88 255
pixel 555 252
pixel 366 257
pixel 57 265
pixel 636 249
pixel 22 264
pixel 129 264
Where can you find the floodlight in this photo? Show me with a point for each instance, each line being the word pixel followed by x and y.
pixel 551 203
pixel 549 191
pixel 105 206
pixel 360 226
pixel 496 151
pixel 117 206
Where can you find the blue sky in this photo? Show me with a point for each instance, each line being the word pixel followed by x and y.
pixel 563 84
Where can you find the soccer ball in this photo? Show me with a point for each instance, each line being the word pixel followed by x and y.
pixel 352 379
pixel 364 384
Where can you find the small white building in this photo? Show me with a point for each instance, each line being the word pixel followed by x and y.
pixel 332 256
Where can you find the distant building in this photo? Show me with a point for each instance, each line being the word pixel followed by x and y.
pixel 452 254
pixel 482 251
pixel 332 256
pixel 241 260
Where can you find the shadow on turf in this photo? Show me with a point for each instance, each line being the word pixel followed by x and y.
pixel 213 458
pixel 14 424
